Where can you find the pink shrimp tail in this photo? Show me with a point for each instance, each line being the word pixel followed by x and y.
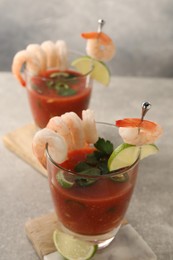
pixel 19 77
pixel 95 35
pixel 22 81
pixel 136 122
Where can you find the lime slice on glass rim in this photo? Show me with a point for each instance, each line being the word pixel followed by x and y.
pixel 126 154
pixel 100 72
pixel 72 248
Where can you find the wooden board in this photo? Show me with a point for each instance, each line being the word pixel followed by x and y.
pixel 39 232
pixel 19 142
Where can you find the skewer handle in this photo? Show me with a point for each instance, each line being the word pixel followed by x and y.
pixel 101 23
pixel 145 107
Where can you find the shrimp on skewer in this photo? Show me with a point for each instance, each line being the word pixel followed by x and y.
pixel 56 144
pixel 51 53
pixel 62 52
pixel 58 125
pixel 36 52
pixel 74 124
pixel 137 132
pixel 23 58
pixel 99 46
pixel 89 126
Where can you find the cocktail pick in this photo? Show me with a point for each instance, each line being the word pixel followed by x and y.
pixel 145 107
pixel 101 23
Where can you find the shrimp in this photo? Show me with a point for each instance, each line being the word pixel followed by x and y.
pixel 64 133
pixel 99 45
pixel 37 54
pixel 74 123
pixel 51 53
pixel 57 146
pixel 62 52
pixel 89 126
pixel 58 125
pixel 137 132
pixel 22 58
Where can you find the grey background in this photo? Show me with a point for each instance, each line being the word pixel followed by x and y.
pixel 142 30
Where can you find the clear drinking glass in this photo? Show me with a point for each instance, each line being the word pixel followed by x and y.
pixel 58 91
pixel 93 212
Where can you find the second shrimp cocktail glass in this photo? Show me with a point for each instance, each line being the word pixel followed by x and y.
pixel 90 205
pixel 59 80
pixel 58 91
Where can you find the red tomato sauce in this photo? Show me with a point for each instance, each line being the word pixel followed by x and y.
pixel 45 102
pixel 94 209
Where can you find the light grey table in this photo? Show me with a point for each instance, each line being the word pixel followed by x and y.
pixel 24 193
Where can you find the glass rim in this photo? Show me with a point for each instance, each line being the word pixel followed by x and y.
pixel 110 174
pixel 80 54
pixel 43 77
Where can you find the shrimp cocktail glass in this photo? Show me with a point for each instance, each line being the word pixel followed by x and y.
pixel 58 91
pixel 92 175
pixel 59 80
pixel 55 86
pixel 90 202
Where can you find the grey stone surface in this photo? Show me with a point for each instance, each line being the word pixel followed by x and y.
pixel 25 193
pixel 142 30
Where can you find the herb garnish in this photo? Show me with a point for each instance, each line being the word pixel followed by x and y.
pixel 98 159
pixel 96 163
pixel 60 82
pixel 105 147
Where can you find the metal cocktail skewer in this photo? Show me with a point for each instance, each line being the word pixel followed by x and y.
pixel 145 107
pixel 101 23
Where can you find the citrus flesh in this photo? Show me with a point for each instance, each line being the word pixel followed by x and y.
pixel 126 154
pixel 72 248
pixel 63 181
pixel 99 70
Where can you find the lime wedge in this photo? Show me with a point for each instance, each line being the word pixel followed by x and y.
pixel 148 149
pixel 100 71
pixel 72 248
pixel 63 181
pixel 126 154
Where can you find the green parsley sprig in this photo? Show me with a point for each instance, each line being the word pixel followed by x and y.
pixel 95 163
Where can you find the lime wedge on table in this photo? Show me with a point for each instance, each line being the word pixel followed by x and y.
pixel 100 71
pixel 72 248
pixel 126 154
